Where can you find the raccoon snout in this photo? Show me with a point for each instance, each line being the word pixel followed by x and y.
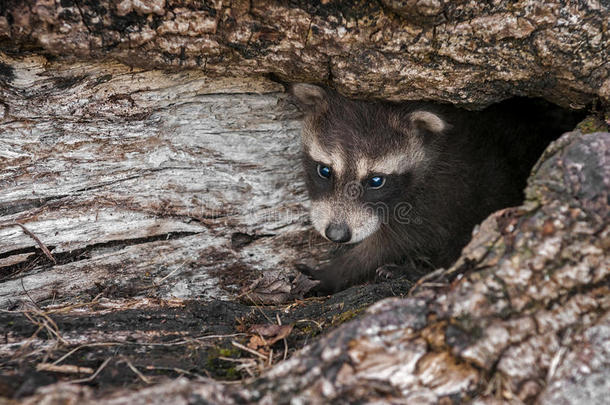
pixel 339 233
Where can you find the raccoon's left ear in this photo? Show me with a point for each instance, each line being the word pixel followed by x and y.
pixel 310 98
pixel 428 121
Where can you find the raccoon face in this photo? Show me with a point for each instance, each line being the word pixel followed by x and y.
pixel 351 199
pixel 360 160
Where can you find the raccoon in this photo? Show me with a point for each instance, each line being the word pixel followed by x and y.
pixel 400 186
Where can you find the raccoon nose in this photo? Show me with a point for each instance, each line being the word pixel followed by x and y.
pixel 339 233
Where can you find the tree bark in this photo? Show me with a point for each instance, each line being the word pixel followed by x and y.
pixel 140 207
pixel 468 53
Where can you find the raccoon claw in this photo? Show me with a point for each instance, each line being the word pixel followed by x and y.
pixel 386 272
pixel 304 269
pixel 319 281
pixel 306 283
pixel 302 285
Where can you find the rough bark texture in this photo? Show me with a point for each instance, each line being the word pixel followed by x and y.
pixel 464 52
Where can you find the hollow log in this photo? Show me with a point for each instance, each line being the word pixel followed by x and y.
pixel 132 176
pixel 151 203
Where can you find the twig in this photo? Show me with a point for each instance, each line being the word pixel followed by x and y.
pixel 425 278
pixel 285 349
pixel 28 294
pixel 178 371
pixel 38 241
pixel 244 364
pixel 183 342
pixel 258 307
pixel 54 328
pixel 137 372
pixel 169 274
pixel 555 363
pixel 71 352
pixel 67 308
pixel 310 320
pixel 279 322
pixel 247 366
pixel 48 323
pixel 254 352
pixel 91 378
pixel 233 360
pixel 158 283
pixel 220 336
pixel 66 368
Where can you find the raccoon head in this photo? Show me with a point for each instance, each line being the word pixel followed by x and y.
pixel 361 160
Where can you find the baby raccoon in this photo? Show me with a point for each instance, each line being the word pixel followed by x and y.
pixel 400 186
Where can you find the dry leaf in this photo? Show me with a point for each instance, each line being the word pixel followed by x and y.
pixel 302 284
pixel 272 333
pixel 271 288
pixel 255 342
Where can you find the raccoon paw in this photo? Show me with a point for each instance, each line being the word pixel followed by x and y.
pixel 304 269
pixel 325 282
pixel 303 285
pixel 308 282
pixel 387 272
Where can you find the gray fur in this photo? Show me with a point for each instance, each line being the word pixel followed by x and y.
pixel 450 168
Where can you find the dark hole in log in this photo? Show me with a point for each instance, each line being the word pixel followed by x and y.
pixel 538 123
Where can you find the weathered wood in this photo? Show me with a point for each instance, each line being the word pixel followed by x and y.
pixel 464 52
pixel 133 176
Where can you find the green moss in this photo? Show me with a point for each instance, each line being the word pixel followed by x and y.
pixel 310 330
pixel 229 352
pixel 346 316
pixel 232 373
pixel 592 124
pixel 220 368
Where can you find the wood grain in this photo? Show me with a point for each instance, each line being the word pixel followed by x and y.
pixel 128 175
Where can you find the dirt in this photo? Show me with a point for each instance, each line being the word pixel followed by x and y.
pixel 137 342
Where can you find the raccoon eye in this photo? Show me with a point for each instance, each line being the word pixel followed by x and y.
pixel 324 171
pixel 376 182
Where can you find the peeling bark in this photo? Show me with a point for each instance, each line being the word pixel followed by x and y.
pixel 469 53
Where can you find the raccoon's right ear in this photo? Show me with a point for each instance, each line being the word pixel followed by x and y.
pixel 311 98
pixel 427 121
